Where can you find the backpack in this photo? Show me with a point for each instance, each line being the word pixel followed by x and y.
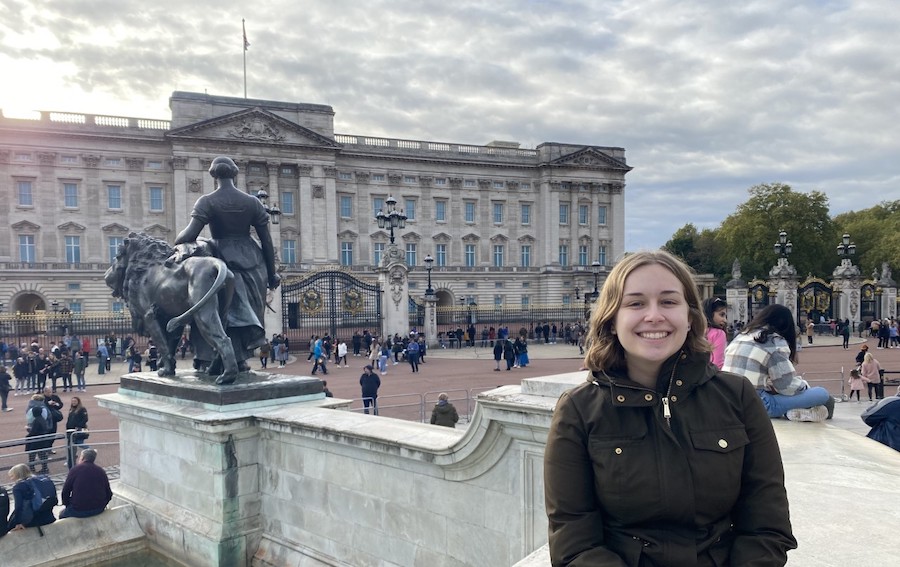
pixel 44 497
pixel 39 426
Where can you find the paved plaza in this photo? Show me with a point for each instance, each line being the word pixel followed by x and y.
pixel 471 370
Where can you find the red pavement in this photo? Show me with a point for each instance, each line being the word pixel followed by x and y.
pixel 464 372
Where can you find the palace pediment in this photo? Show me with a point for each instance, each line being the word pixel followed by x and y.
pixel 253 125
pixel 115 228
pixel 26 226
pixel 590 158
pixel 71 227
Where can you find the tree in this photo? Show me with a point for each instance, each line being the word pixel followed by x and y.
pixel 876 233
pixel 699 250
pixel 751 231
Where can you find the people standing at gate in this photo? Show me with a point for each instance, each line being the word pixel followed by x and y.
pixel 884 334
pixel 79 366
pixel 340 354
pixel 21 372
pixel 716 311
pixel 509 353
pixel 765 353
pixel 870 370
pixel 356 342
pixel 319 357
pixel 65 372
pixel 521 348
pixel 845 333
pixel 810 330
pixel 369 383
pixel 5 388
pixel 412 355
pixel 102 358
pixel 498 354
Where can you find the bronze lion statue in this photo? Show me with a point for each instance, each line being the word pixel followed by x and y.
pixel 166 288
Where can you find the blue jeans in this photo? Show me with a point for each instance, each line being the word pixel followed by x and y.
pixel 777 404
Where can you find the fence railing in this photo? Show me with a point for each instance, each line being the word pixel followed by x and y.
pixel 57 458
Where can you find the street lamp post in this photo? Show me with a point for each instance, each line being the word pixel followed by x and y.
pixel 391 218
pixel 784 246
pixel 846 249
pixel 429 265
pixel 595 268
pixel 273 210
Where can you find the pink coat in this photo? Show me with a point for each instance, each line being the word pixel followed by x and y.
pixel 869 371
pixel 718 340
pixel 857 383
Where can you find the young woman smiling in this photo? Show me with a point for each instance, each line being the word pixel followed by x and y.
pixel 659 458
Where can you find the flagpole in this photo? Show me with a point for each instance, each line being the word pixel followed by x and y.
pixel 244 27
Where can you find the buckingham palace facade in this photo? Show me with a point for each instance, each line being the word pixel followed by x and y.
pixel 505 225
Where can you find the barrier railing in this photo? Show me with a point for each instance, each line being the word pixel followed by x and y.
pixel 58 458
pixel 823 378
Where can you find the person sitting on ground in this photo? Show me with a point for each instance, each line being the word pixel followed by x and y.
pixel 764 353
pixel 884 419
pixel 444 413
pixel 86 491
pixel 24 515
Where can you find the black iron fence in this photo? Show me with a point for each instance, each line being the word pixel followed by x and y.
pixel 50 328
pixel 516 318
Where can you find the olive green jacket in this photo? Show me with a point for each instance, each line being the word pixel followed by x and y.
pixel 692 476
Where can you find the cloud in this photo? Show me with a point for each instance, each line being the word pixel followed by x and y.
pixel 708 98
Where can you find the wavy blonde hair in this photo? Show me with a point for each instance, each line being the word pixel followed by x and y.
pixel 604 351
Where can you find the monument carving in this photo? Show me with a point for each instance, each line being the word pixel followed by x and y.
pixel 166 299
pixel 163 295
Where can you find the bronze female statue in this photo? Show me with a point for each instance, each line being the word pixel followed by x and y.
pixel 230 213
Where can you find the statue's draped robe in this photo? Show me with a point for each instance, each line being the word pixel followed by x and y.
pixel 230 213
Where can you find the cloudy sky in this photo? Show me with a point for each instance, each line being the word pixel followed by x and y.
pixel 707 97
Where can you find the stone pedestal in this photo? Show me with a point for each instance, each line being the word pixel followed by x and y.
pixel 393 275
pixel 189 459
pixel 431 320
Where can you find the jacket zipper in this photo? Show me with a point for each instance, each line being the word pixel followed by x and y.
pixel 667 411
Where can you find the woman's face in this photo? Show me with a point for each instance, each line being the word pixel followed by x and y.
pixel 76 402
pixel 720 317
pixel 652 322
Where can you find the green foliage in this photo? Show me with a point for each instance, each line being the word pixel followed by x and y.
pixel 750 232
pixel 876 233
pixel 699 250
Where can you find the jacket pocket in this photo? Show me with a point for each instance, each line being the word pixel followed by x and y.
pixel 718 464
pixel 621 466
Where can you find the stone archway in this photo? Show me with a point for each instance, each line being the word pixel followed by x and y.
pixel 27 302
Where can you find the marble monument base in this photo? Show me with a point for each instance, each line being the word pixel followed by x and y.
pixel 190 458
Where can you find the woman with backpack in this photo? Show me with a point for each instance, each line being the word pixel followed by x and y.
pixel 25 515
pixel 38 423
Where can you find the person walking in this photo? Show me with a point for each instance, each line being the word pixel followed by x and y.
pixel 38 424
pixel 856 384
pixel 444 413
pixel 870 370
pixel 102 358
pixel 264 350
pixel 498 354
pixel 77 424
pixel 5 387
pixel 810 330
pixel 369 383
pixel 340 354
pixel 412 355
pixel 509 353
pixel 319 357
pixel 79 366
pixel 845 333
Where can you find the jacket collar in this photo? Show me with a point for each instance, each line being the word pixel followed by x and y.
pixel 679 375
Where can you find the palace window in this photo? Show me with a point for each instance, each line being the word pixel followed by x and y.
pixel 563 213
pixel 156 199
pixel 583 255
pixel 346 253
pixel 346 206
pixel 410 253
pixel 27 248
pixel 470 211
pixel 583 214
pixel 498 213
pixel 470 255
pixel 287 202
pixel 289 251
pixel 563 254
pixel 526 256
pixel 73 249
pixel 114 197
pixel 377 253
pixel 498 255
pixel 525 210
pixel 440 255
pixel 410 210
pixel 113 245
pixel 601 215
pixel 440 211
pixel 26 198
pixel 70 195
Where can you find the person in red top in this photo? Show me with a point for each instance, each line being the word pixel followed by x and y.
pixel 86 491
